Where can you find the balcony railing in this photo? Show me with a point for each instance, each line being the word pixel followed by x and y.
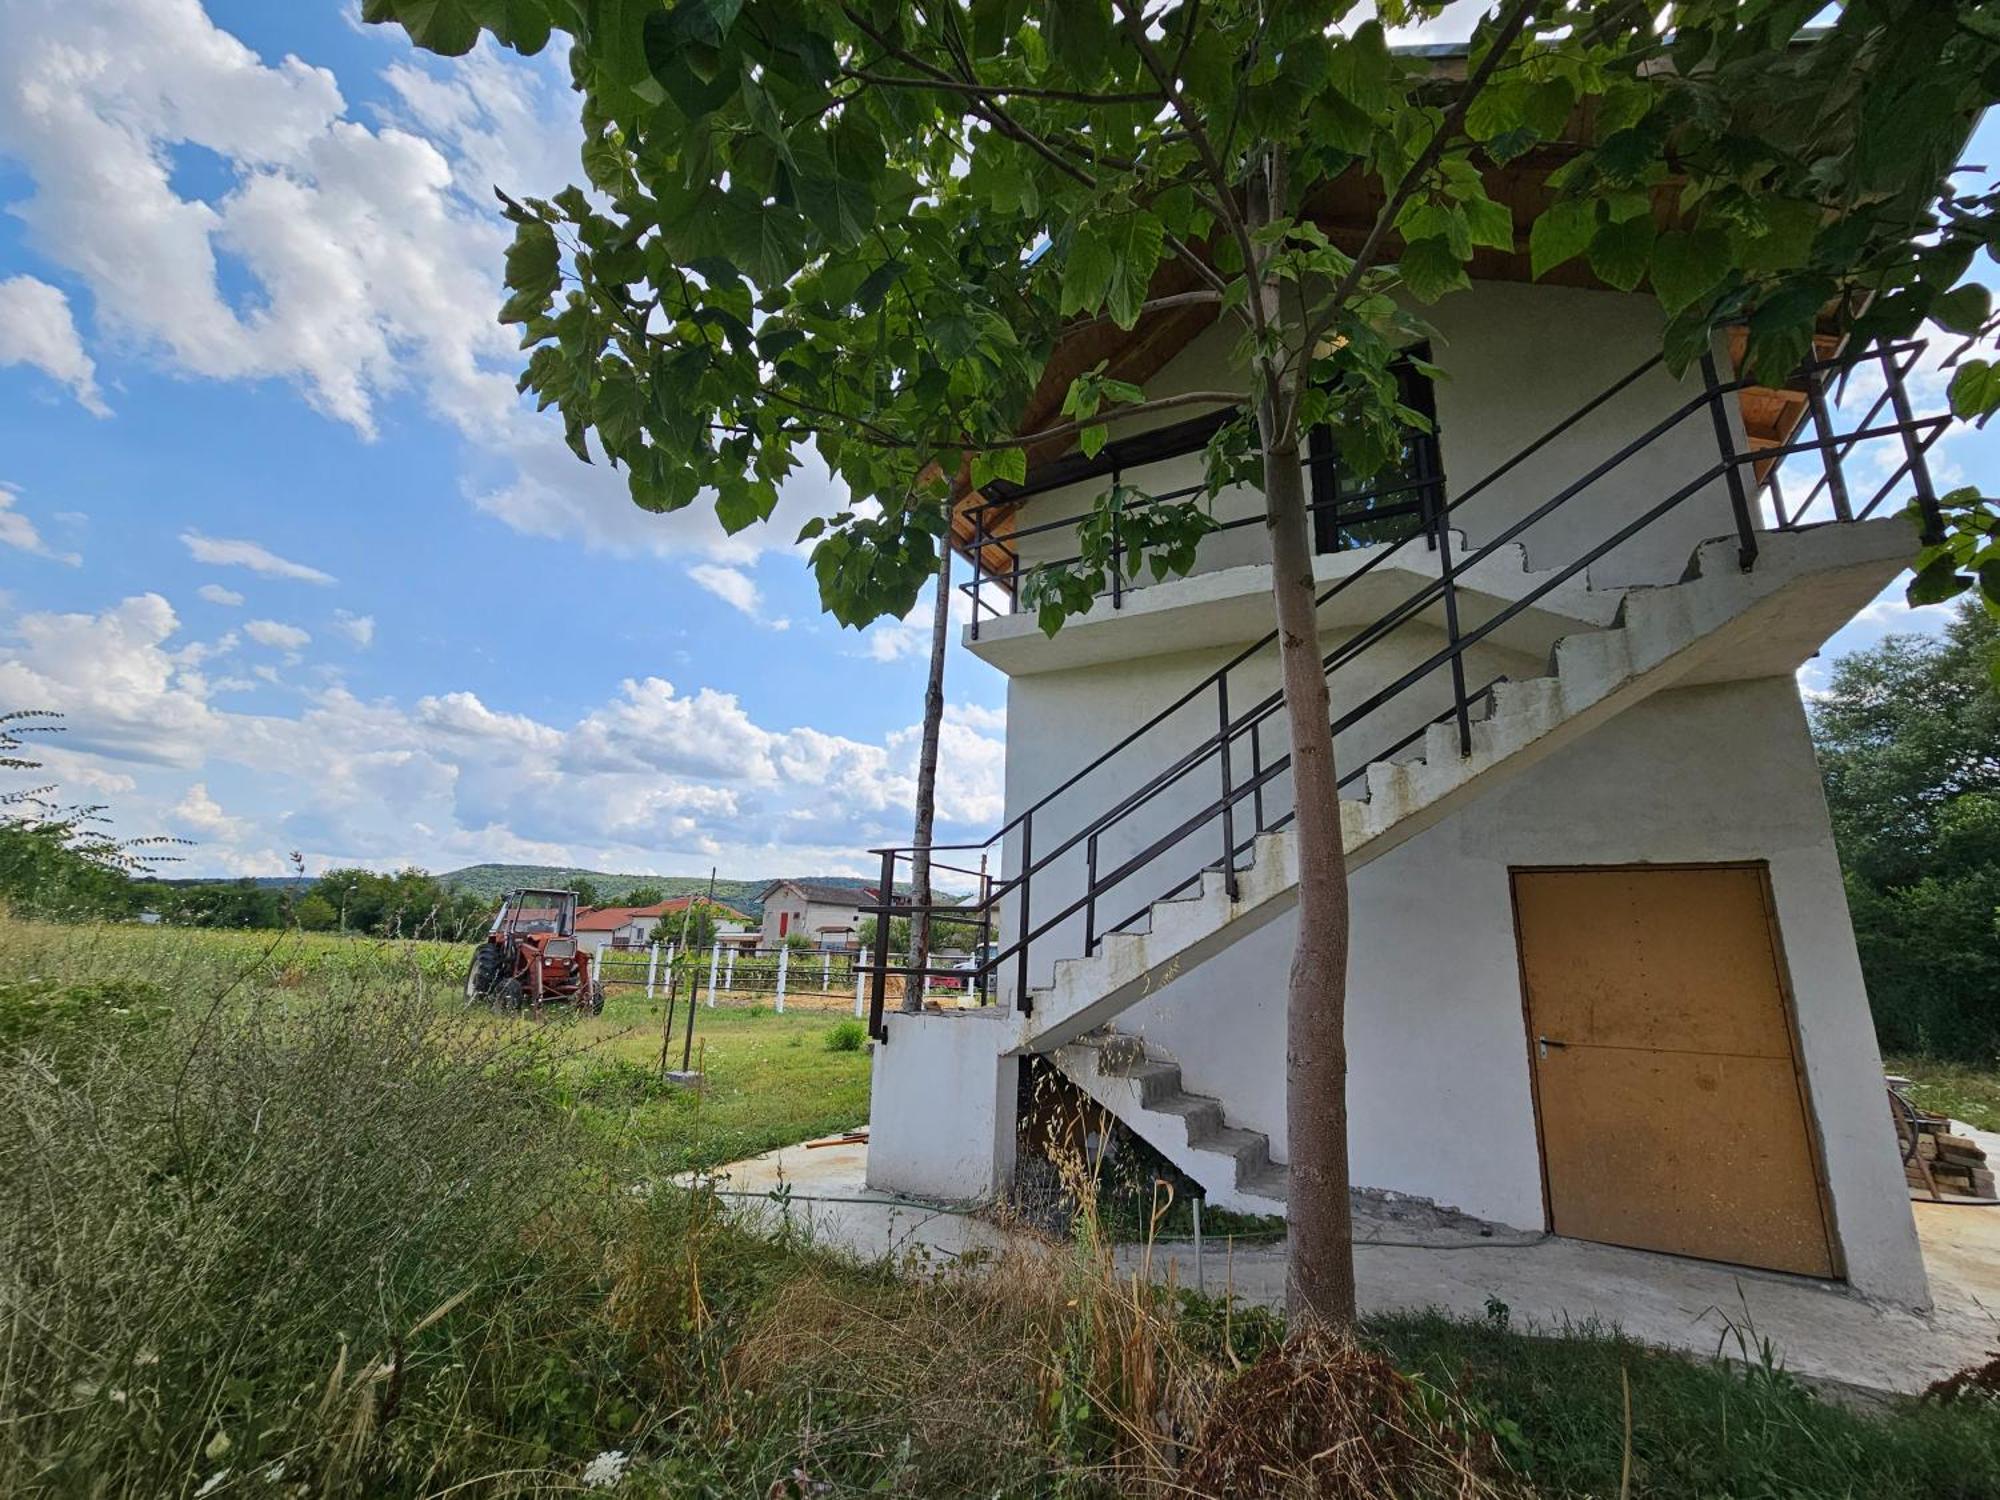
pixel 1247 779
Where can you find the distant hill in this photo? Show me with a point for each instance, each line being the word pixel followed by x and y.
pixel 494 881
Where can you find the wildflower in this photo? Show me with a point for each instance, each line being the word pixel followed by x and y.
pixel 605 1470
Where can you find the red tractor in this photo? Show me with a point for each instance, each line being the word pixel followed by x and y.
pixel 531 958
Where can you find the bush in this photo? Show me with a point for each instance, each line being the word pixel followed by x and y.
pixel 847 1036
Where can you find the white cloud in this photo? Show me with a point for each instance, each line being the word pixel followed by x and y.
pixel 370 247
pixel 277 635
pixel 359 629
pixel 198 813
pixel 215 593
pixel 737 589
pixel 226 552
pixel 36 329
pixel 17 531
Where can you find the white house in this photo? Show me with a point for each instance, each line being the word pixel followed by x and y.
pixel 1602 976
pixel 826 913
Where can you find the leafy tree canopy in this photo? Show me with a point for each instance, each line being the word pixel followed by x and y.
pixel 860 227
pixel 1908 736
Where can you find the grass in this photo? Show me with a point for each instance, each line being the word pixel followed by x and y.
pixel 1955 1089
pixel 1697 1429
pixel 288 1220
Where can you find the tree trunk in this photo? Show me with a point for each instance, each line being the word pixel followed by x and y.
pixel 1319 1279
pixel 927 757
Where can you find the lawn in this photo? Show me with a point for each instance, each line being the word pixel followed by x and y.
pixel 767 1079
pixel 285 1218
pixel 1951 1088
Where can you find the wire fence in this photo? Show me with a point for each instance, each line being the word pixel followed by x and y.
pixel 732 974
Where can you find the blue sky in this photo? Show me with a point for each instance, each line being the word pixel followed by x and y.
pixel 283 545
pixel 303 574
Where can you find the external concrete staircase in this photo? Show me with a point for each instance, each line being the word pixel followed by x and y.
pixel 1145 1090
pixel 1717 623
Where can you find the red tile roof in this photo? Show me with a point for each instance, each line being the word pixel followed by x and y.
pixel 611 918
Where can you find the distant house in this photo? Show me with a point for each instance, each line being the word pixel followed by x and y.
pixel 600 927
pixel 827 914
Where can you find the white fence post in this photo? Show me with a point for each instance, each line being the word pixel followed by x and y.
pixel 860 978
pixel 784 962
pixel 652 969
pixel 825 973
pixel 714 958
pixel 729 971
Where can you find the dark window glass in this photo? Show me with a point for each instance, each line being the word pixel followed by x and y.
pixel 1393 503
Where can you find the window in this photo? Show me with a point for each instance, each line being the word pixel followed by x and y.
pixel 1398 499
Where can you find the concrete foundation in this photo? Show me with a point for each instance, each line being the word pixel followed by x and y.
pixel 941 1116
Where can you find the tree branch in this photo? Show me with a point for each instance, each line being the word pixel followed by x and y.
pixel 1135 29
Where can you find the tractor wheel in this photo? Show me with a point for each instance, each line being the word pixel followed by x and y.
pixel 480 975
pixel 508 995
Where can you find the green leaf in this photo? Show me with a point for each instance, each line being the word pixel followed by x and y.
pixel 1563 232
pixel 1937 581
pixel 1975 390
pixel 1430 269
pixel 1688 265
pixel 1492 223
pixel 1092 439
pixel 1782 241
pixel 1111 262
pixel 1964 309
pixel 1079 35
pixel 447 27
pixel 1620 253
pixel 1360 68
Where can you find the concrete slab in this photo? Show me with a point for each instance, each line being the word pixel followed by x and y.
pixel 823 1193
pixel 1818 1330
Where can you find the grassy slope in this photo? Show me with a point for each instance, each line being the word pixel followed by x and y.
pixel 1556 1407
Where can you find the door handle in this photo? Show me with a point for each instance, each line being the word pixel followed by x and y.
pixel 1543 1043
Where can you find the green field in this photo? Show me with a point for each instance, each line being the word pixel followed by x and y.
pixel 285 1218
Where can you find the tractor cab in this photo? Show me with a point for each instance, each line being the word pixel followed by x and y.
pixel 530 956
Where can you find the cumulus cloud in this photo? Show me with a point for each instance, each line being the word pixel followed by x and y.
pixel 660 776
pixel 17 531
pixel 277 635
pixel 359 629
pixel 36 329
pixel 227 552
pixel 363 250
pixel 215 593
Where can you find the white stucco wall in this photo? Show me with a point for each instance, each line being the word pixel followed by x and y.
pixel 1439 1094
pixel 1518 360
pixel 941 1110
pixel 1060 721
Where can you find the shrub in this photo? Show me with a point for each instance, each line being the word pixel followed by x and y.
pixel 847 1036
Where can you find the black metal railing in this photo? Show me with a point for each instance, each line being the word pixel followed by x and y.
pixel 1238 738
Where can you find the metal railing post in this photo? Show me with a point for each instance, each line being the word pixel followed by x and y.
pixel 1021 1000
pixel 1117 557
pixel 1257 773
pixel 1090 892
pixel 1732 473
pixel 879 964
pixel 1441 527
pixel 1228 801
pixel 1913 450
pixel 1829 454
pixel 978 560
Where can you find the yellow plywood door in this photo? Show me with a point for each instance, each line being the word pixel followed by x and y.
pixel 1667 1083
